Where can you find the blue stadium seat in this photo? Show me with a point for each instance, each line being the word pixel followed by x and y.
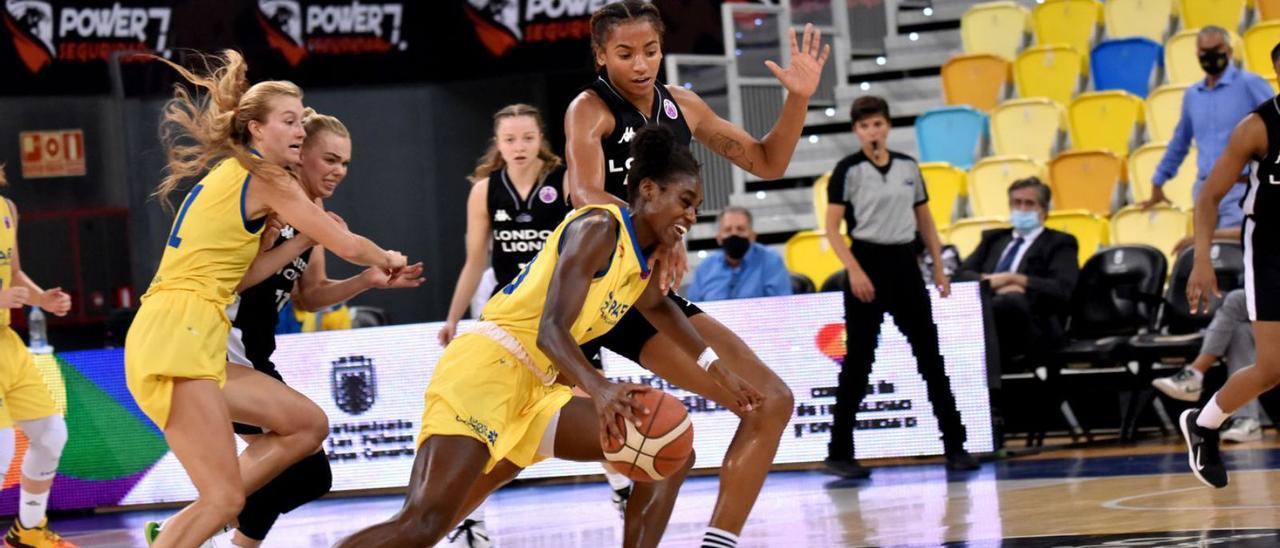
pixel 1125 64
pixel 951 134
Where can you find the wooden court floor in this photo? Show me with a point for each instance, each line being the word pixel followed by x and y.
pixel 1113 496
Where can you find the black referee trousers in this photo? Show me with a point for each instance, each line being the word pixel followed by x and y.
pixel 901 292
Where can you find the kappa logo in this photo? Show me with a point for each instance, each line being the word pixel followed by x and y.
pixel 83 34
pixel 501 216
pixel 323 28
pixel 288 232
pixel 627 135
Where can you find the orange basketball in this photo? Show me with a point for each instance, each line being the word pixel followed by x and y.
pixel 662 443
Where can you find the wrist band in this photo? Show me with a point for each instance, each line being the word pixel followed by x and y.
pixel 707 358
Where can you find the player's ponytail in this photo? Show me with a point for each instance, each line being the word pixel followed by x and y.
pixel 658 157
pixel 198 131
pixel 492 160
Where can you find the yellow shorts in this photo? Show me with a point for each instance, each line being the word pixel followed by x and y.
pixel 23 392
pixel 176 335
pixel 479 390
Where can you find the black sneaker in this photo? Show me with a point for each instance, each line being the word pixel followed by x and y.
pixel 1202 450
pixel 846 468
pixel 962 461
pixel 620 497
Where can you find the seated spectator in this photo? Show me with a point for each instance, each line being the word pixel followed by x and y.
pixel 742 268
pixel 1032 272
pixel 1230 335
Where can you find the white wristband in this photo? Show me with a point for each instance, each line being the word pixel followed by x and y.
pixel 707 358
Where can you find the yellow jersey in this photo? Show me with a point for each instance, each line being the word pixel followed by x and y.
pixel 212 240
pixel 518 307
pixel 8 241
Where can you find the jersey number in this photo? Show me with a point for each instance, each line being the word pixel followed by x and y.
pixel 174 239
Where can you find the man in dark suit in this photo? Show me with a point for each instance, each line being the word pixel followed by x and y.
pixel 1031 271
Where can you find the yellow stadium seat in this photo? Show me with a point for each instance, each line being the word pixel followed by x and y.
pixel 809 254
pixel 1142 167
pixel 966 234
pixel 820 203
pixel 1105 120
pixel 1091 231
pixel 1147 18
pixel 1085 180
pixel 1161 227
pixel 1164 109
pixel 994 27
pixel 976 79
pixel 1181 61
pixel 1202 13
pixel 945 184
pixel 1071 22
pixel 1268 10
pixel 1048 70
pixel 989 182
pixel 1258 41
pixel 1028 127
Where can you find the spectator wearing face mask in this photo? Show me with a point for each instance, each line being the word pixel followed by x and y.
pixel 1211 108
pixel 1032 271
pixel 741 269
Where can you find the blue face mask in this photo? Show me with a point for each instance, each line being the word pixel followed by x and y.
pixel 1025 221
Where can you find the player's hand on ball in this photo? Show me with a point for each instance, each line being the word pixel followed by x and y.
pixel 14 297
pixel 746 397
pixel 614 404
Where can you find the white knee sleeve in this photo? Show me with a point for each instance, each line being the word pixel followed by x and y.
pixel 7 448
pixel 48 436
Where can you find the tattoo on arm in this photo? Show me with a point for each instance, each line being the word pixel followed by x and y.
pixel 731 149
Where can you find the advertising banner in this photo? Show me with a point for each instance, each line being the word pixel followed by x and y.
pixel 370 382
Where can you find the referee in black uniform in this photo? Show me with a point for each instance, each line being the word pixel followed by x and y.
pixel 880 194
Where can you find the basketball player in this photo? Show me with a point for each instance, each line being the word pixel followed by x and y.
pixel 267 286
pixel 24 396
pixel 1255 142
pixel 175 352
pixel 500 398
pixel 627 42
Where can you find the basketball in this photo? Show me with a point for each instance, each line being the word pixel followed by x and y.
pixel 660 445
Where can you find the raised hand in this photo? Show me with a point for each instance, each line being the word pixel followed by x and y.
pixel 802 76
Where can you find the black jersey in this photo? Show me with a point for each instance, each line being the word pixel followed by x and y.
pixel 257 311
pixel 521 224
pixel 1262 201
pixel 627 120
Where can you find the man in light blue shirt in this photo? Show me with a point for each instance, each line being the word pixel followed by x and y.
pixel 742 268
pixel 1211 108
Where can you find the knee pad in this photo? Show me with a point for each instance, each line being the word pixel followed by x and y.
pixel 47 437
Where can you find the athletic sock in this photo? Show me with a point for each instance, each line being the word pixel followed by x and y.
pixel 1212 416
pixel 31 508
pixel 719 538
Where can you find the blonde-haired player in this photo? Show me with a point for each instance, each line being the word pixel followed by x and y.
pixel 24 396
pixel 175 353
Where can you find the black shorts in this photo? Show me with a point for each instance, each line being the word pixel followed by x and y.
pixel 628 337
pixel 269 369
pixel 1261 270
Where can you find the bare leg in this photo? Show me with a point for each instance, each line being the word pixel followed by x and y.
pixel 445 466
pixel 199 434
pixel 297 425
pixel 1250 382
pixel 751 453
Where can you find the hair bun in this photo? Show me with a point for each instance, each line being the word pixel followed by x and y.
pixel 652 144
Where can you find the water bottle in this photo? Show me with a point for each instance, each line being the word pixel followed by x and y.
pixel 37 331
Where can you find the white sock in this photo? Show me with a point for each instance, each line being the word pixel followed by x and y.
pixel 1196 373
pixel 1212 416
pixel 31 508
pixel 616 480
pixel 719 538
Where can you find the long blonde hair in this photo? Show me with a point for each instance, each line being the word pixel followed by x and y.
pixel 316 123
pixel 492 160
pixel 199 131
